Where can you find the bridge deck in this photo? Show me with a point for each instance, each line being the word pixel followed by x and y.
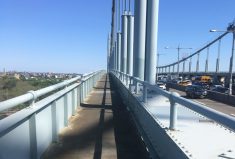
pixel 101 129
pixel 197 136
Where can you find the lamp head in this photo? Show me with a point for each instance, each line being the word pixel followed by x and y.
pixel 213 30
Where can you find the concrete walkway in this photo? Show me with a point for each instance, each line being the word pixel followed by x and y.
pixel 101 129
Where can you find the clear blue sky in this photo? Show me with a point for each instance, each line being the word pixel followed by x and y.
pixel 187 22
pixel 71 36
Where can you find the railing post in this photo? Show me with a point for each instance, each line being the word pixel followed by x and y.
pixel 136 87
pixel 173 111
pixel 33 130
pixel 78 95
pixel 145 93
pixel 93 81
pixel 89 84
pixel 54 122
pixel 73 102
pixel 66 109
pixel 86 90
pixel 34 97
pixel 33 137
pixel 130 84
pixel 82 91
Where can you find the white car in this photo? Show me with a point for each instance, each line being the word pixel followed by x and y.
pixel 161 85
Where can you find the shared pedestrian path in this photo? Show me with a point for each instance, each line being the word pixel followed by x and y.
pixel 102 128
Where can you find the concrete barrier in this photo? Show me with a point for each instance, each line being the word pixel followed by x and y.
pixel 220 97
pixel 175 86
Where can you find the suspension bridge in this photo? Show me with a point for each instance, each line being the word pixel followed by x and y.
pixel 121 112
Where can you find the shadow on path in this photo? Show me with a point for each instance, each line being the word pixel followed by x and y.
pixel 100 130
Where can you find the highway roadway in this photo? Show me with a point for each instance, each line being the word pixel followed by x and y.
pixel 225 108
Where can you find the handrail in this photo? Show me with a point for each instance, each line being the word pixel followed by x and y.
pixel 199 72
pixel 33 95
pixel 219 117
pixel 9 123
pixel 42 121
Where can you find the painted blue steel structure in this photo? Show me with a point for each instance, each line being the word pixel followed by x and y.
pixel 21 134
pixel 170 125
pixel 164 119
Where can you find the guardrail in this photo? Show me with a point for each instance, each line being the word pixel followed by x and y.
pixel 223 73
pixel 158 137
pixel 33 95
pixel 27 133
pixel 217 96
pixel 175 99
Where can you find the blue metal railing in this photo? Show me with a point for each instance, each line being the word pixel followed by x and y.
pixel 156 118
pixel 219 117
pixel 28 133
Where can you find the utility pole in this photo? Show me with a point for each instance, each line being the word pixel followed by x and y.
pixel 178 61
pixel 231 28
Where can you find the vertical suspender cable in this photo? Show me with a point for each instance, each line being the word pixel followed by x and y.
pixel 139 38
pixel 119 38
pixel 112 33
pixel 130 44
pixel 123 1
pixel 151 41
pixel 119 8
pixel 124 43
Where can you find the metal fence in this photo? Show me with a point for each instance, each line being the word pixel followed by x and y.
pixel 135 91
pixel 28 133
pixel 174 99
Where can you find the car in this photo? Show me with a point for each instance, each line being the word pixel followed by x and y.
pixel 220 89
pixel 185 83
pixel 161 85
pixel 202 84
pixel 176 81
pixel 196 91
pixel 205 79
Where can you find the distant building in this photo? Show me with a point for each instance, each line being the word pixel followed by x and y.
pixel 16 76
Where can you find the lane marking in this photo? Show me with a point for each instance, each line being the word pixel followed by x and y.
pixel 232 115
pixel 199 102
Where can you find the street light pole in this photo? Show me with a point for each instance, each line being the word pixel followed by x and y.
pixel 190 64
pixel 157 65
pixel 178 62
pixel 230 29
pixel 207 58
pixel 218 57
pixel 231 65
